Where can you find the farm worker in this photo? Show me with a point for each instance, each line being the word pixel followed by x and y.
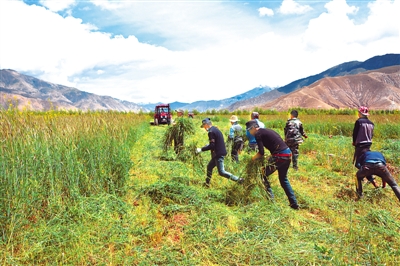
pixel 294 133
pixel 236 137
pixel 179 112
pixel 178 133
pixel 363 132
pixel 279 160
pixel 374 163
pixel 217 147
pixel 252 140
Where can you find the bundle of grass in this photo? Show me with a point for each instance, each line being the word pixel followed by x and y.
pixel 252 189
pixel 175 134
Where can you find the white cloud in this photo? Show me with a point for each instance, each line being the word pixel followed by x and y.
pixel 340 7
pixel 209 50
pixel 289 7
pixel 340 39
pixel 264 11
pixel 57 5
pixel 110 4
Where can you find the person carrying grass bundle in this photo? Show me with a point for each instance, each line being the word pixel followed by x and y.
pixel 363 132
pixel 279 160
pixel 218 151
pixel 374 163
pixel 235 138
pixel 294 133
pixel 178 136
pixel 175 134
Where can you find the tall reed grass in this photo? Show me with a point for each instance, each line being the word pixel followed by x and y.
pixel 50 161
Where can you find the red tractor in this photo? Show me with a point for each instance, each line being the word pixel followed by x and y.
pixel 162 114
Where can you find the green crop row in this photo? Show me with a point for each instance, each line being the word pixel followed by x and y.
pixel 49 161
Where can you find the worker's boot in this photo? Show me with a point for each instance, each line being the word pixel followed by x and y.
pixel 207 183
pixel 268 188
pixel 294 162
pixel 396 190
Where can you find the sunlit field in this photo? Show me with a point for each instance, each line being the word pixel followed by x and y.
pixel 101 188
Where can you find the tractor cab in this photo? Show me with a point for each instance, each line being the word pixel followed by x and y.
pixel 162 114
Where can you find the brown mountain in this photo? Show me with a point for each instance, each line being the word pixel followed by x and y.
pixel 24 91
pixel 378 89
pixel 348 68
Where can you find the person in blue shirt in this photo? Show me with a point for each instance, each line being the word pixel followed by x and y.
pixel 252 140
pixel 374 163
pixel 235 138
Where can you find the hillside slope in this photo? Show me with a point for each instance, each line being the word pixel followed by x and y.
pixel 28 92
pixel 348 68
pixel 377 89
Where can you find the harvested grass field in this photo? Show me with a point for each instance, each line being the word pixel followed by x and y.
pixel 101 189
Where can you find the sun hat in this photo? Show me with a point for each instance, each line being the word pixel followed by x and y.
pixel 363 110
pixel 205 121
pixel 234 118
pixel 180 111
pixel 250 124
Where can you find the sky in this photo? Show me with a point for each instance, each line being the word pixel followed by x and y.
pixel 187 51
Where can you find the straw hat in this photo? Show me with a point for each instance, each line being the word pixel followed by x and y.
pixel 234 118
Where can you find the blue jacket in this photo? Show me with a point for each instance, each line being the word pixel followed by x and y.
pixel 370 157
pixel 251 138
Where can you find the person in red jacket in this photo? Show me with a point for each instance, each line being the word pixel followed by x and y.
pixel 363 132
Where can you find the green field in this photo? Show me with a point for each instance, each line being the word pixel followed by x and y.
pixel 99 188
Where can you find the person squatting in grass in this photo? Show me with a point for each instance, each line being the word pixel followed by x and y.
pixel 252 140
pixel 294 133
pixel 218 151
pixel 235 138
pixel 363 132
pixel 374 163
pixel 279 160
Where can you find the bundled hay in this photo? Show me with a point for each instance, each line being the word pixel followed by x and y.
pixel 175 134
pixel 252 189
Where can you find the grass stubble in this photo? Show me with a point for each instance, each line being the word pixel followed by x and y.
pixel 100 188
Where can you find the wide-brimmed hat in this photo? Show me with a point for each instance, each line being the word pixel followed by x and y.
pixel 250 124
pixel 205 121
pixel 179 111
pixel 363 110
pixel 234 118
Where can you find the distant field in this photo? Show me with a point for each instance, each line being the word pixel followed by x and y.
pixel 97 188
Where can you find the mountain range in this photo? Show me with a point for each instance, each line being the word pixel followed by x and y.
pixel 28 92
pixel 374 82
pixel 345 69
pixel 378 89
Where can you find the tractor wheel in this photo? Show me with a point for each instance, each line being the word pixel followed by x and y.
pixel 156 121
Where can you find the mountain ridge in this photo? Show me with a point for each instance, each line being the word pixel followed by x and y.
pixel 26 91
pixel 347 68
pixel 378 89
pixel 29 92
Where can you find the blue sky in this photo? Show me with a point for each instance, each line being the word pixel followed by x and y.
pixel 166 51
